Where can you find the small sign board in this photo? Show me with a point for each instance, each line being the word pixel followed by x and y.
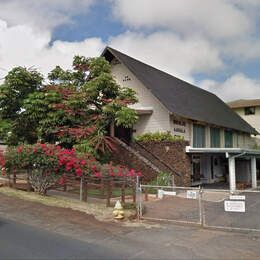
pixel 162 193
pixel 191 194
pixel 234 206
pixel 170 193
pixel 237 197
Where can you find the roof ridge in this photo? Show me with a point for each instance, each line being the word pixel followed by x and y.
pixel 159 70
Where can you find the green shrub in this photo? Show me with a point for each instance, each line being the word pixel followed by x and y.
pixel 163 179
pixel 158 136
pixel 256 147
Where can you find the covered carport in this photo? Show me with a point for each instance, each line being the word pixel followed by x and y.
pixel 233 156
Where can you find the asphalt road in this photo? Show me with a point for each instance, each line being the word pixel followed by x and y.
pixel 62 233
pixel 19 241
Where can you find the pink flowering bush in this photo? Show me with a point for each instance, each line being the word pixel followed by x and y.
pixel 48 165
pixel 109 170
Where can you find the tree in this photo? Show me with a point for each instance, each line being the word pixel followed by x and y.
pixel 78 105
pixel 18 85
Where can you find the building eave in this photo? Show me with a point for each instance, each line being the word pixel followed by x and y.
pixel 249 152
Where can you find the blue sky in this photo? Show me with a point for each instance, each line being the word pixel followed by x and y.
pixel 212 44
pixel 98 22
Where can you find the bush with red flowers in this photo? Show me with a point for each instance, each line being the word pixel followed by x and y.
pixel 109 170
pixel 48 165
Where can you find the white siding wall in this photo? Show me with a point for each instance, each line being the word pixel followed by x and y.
pixel 159 120
pixel 253 120
pixel 249 142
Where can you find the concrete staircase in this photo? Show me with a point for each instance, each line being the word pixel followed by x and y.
pixel 139 155
pixel 151 160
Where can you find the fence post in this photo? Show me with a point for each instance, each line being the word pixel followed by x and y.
pixel 9 181
pixel 81 189
pixel 134 192
pixel 202 211
pixel 108 193
pixel 85 190
pixel 200 206
pixel 14 179
pixel 28 182
pixel 138 198
pixel 123 192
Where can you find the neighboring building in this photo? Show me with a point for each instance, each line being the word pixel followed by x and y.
pixel 215 133
pixel 249 110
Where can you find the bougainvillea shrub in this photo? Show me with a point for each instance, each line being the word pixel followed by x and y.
pixel 109 170
pixel 48 165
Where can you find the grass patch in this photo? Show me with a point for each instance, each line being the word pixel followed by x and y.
pixel 98 210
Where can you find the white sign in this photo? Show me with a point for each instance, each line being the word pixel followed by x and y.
pixel 191 194
pixel 170 193
pixel 161 193
pixel 234 206
pixel 237 197
pixel 179 128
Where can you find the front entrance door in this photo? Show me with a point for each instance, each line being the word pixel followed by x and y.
pixel 124 134
pixel 196 168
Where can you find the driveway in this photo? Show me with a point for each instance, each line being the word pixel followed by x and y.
pixel 52 233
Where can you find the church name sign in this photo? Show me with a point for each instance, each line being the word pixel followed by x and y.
pixel 179 127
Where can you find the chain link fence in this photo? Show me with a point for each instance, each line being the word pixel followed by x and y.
pixel 206 207
pixel 178 204
pixel 238 211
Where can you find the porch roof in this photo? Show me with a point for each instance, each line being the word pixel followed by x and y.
pixel 227 151
pixel 143 110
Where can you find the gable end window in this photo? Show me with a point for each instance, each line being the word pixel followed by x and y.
pixel 249 111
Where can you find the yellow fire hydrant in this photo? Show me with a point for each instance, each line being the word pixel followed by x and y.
pixel 118 211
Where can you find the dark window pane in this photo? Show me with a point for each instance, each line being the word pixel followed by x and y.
pixel 198 136
pixel 228 139
pixel 249 110
pixel 214 137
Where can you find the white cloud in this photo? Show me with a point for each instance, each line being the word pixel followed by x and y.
pixel 217 19
pixel 237 86
pixel 183 39
pixel 21 46
pixel 247 3
pixel 171 53
pixel 243 50
pixel 41 14
pixel 200 35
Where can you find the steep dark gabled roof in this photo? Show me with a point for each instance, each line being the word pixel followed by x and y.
pixel 180 97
